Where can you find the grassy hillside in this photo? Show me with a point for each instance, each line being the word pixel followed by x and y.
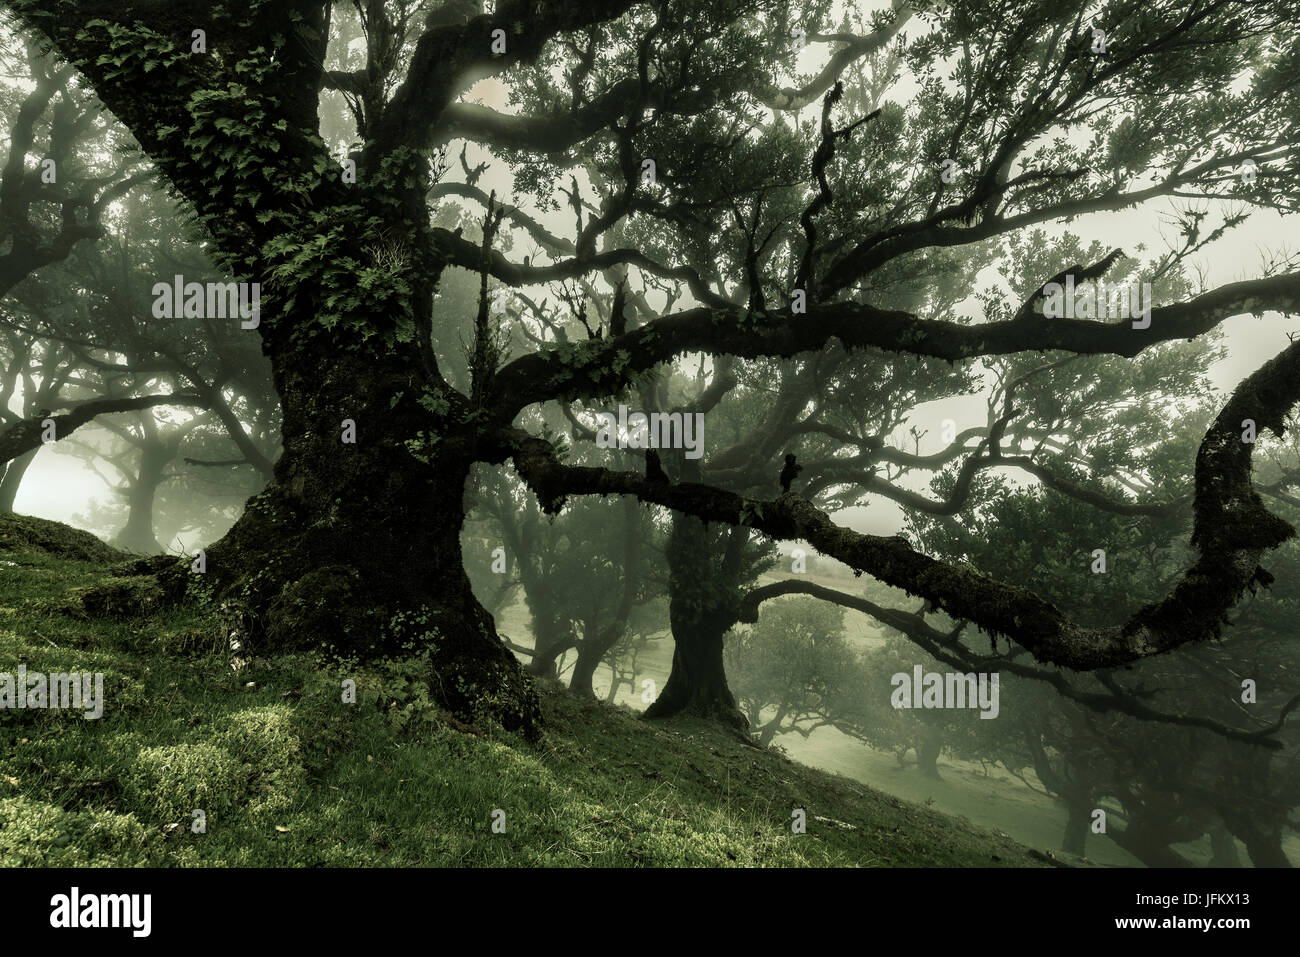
pixel 287 774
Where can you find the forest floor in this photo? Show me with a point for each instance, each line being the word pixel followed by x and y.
pixel 288 775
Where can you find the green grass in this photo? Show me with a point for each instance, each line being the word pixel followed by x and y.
pixel 287 774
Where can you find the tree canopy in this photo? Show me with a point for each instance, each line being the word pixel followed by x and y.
pixel 679 192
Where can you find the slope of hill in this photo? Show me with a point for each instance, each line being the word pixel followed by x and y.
pixel 285 773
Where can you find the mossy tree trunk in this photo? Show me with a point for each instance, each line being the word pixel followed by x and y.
pixel 355 545
pixel 704 599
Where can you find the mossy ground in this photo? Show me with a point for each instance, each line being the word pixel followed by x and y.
pixel 289 775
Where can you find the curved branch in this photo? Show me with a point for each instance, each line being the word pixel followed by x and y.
pixel 944 647
pixel 854 48
pixel 544 237
pixel 26 435
pixel 451 57
pixel 587 369
pixel 457 251
pixel 549 134
pixel 1232 530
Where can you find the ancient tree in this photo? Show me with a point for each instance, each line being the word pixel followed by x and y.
pixel 776 228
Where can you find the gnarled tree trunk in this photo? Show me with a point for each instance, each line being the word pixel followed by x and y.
pixel 355 546
pixel 703 604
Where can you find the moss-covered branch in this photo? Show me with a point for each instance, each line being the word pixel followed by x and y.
pixel 1232 530
pixel 603 367
pixel 28 434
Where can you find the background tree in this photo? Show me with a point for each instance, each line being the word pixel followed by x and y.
pixel 63 167
pixel 794 671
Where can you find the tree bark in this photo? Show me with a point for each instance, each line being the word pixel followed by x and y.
pixel 356 546
pixel 702 606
